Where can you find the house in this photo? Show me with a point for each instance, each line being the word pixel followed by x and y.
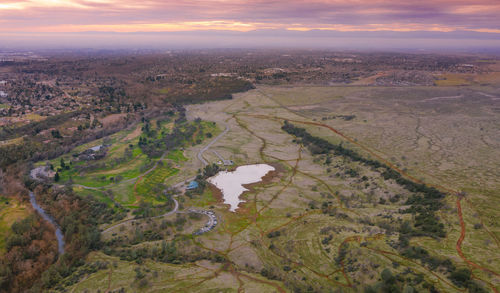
pixel 222 160
pixel 93 153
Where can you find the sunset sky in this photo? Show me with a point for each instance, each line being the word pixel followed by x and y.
pixel 17 18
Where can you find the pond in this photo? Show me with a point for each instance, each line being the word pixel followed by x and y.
pixel 231 183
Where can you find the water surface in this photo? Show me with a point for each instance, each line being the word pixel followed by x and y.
pixel 41 211
pixel 231 183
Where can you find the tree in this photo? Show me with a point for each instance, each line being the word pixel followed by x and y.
pixel 56 177
pixel 461 277
pixel 56 134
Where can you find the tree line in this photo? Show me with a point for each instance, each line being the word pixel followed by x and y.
pixel 424 202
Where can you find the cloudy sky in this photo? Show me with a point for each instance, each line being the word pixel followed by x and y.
pixel 37 17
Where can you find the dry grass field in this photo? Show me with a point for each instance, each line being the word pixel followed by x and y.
pixel 317 227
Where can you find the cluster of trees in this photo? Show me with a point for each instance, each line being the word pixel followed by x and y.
pixel 169 252
pixel 32 149
pixel 203 174
pixel 461 277
pixel 78 218
pixel 220 88
pixel 423 203
pixel 399 283
pixel 147 209
pixel 83 271
pixel 34 128
pixel 154 145
pixel 30 250
pixel 12 153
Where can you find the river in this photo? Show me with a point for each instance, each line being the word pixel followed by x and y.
pixel 40 210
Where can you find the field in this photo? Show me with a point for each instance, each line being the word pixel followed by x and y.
pixel 125 175
pixel 11 210
pixel 322 222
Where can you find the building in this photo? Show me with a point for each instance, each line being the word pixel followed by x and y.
pixel 192 185
pixel 222 160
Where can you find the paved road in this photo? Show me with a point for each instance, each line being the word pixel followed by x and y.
pixel 128 180
pixel 200 153
pixel 174 210
pixel 200 157
pixel 178 185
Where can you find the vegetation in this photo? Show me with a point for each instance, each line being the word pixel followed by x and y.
pixel 114 133
pixel 424 202
pixel 30 250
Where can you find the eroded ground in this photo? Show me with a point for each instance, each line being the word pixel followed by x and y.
pixel 325 222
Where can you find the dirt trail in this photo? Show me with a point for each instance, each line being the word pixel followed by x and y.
pixel 368 150
pixel 392 166
pixel 109 279
pixel 461 239
pixel 395 168
pixel 204 149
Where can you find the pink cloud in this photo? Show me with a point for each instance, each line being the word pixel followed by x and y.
pixel 241 15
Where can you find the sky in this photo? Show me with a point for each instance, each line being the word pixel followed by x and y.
pixel 232 22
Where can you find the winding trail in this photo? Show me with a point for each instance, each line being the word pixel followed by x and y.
pixel 200 153
pixel 461 239
pixel 397 169
pixel 174 210
pixel 127 180
pixel 178 185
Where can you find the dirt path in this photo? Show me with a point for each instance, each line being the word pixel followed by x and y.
pixel 204 149
pixel 395 168
pixel 461 239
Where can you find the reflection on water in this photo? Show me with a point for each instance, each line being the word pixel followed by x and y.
pixel 59 235
pixel 231 183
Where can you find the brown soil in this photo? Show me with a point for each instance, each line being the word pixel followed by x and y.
pixel 217 193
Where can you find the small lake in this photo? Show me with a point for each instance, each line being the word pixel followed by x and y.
pixel 231 183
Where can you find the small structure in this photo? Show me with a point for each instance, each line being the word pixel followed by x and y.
pixel 192 185
pixel 96 148
pixel 93 153
pixel 223 161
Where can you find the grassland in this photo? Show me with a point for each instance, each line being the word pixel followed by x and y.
pixel 167 277
pixel 326 222
pixel 11 210
pixel 126 175
pixel 454 80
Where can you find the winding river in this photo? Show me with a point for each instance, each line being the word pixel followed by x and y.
pixel 40 210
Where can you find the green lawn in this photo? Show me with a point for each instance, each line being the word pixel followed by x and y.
pixel 11 210
pixel 176 156
pixel 145 188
